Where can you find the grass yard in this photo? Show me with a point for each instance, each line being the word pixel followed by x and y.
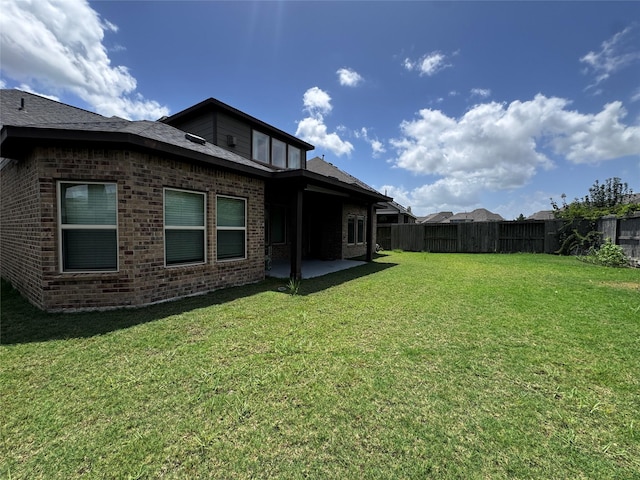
pixel 415 366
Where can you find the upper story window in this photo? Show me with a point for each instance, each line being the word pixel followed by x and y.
pixel 278 153
pixel 294 157
pixel 260 147
pixel 88 226
pixel 275 152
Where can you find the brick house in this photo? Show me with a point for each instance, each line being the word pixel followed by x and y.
pixel 101 213
pixel 393 212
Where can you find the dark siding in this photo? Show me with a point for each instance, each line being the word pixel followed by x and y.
pixel 201 126
pixel 230 126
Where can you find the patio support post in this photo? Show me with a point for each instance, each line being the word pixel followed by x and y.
pixel 371 244
pixel 296 241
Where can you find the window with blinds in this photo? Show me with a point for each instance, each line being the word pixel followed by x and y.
pixel 184 227
pixel 88 226
pixel 231 228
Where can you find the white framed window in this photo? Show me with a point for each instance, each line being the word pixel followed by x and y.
pixel 184 227
pixel 355 229
pixel 231 228
pixel 88 226
pixel 260 147
pixel 294 157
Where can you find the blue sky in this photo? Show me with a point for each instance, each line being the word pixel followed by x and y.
pixel 443 105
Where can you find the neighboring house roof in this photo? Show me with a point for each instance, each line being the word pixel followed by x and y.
pixel 393 208
pixel 542 215
pixel 632 198
pixel 478 215
pixel 435 217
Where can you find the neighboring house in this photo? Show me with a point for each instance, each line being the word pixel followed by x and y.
pixel 392 212
pixel 439 217
pixel 542 215
pixel 103 212
pixel 478 215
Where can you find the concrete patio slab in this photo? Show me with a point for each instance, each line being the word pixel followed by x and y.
pixel 312 268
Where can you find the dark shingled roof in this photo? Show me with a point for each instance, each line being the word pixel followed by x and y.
pixel 39 119
pixel 478 215
pixel 22 108
pixel 322 167
pixel 43 117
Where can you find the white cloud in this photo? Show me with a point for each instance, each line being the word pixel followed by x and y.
pixel 312 129
pixel 316 101
pixel 428 64
pixel 26 88
pixel 442 195
pixel 58 46
pixel 349 78
pixel 376 145
pixel 496 146
pixel 616 53
pixel 480 92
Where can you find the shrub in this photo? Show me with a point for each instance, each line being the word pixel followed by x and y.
pixel 609 255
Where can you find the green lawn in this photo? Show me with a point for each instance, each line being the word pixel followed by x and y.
pixel 415 366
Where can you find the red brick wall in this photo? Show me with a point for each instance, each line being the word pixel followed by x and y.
pixel 349 250
pixel 21 231
pixel 142 277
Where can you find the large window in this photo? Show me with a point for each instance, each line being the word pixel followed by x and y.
pixel 266 149
pixel 88 226
pixel 294 157
pixel 260 147
pixel 278 153
pixel 184 227
pixel 231 228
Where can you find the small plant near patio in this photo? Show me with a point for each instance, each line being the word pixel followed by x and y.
pixel 293 286
pixel 608 255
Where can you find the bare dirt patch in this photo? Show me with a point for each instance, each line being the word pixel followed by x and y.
pixel 623 285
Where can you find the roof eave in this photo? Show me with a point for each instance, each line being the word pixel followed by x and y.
pixel 15 141
pixel 307 177
pixel 215 104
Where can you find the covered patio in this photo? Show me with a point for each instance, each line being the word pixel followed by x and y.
pixel 311 268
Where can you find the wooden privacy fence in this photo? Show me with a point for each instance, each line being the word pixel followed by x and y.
pixel 532 236
pixel 623 231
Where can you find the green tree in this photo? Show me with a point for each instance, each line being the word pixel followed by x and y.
pixel 579 234
pixel 608 198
